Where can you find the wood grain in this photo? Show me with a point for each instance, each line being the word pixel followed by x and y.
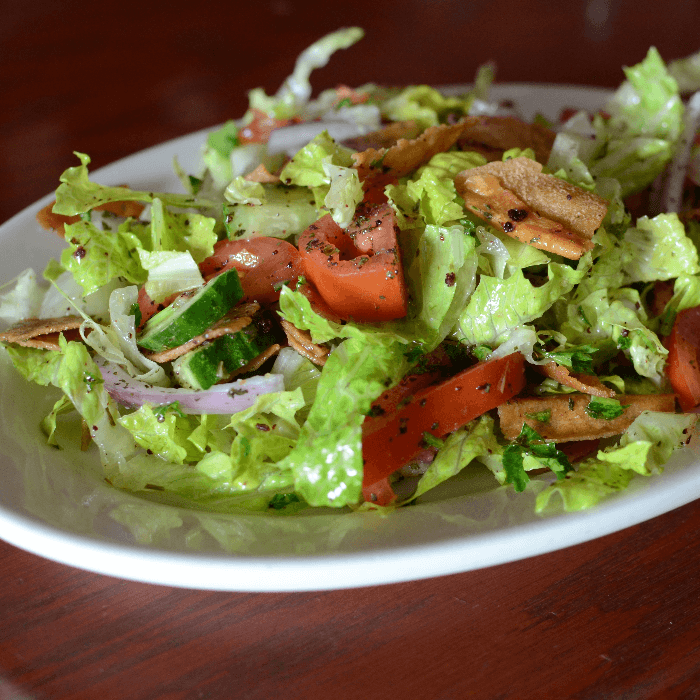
pixel 614 618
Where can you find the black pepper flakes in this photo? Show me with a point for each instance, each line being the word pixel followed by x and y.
pixel 518 214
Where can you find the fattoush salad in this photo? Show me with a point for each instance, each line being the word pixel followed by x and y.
pixel 360 294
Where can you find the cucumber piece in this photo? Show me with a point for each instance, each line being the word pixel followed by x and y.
pixel 286 211
pixel 215 361
pixel 192 313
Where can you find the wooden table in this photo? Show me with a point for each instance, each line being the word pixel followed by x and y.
pixel 616 617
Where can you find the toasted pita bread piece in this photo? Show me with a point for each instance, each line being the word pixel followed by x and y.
pixel 577 209
pixel 385 137
pixel 569 420
pixel 378 167
pixel 263 175
pixel 485 196
pixel 585 383
pixel 237 319
pixel 258 361
pixel 492 136
pixel 301 341
pixel 42 332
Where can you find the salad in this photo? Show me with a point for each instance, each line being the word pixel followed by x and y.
pixel 362 293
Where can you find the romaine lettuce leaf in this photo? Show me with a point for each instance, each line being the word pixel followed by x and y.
pixel 658 249
pixel 95 257
pixel 500 305
pixel 643 449
pixel 78 194
pixel 646 116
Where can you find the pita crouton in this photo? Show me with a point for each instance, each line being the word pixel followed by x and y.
pixel 486 198
pixel 568 418
pixel 301 342
pixel 263 175
pixel 585 383
pixel 236 320
pixel 385 137
pixel 379 167
pixel 492 136
pixel 42 333
pixel 577 209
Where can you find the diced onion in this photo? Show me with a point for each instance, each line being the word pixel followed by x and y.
pixel 672 193
pixel 221 398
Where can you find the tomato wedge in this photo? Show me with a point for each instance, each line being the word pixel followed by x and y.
pixel 388 443
pixel 267 262
pixel 683 367
pixel 357 271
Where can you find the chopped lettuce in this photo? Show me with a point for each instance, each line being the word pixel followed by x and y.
pixel 77 194
pixel 644 448
pixel 646 116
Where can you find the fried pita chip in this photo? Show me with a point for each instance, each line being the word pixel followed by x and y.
pixel 42 333
pixel 577 209
pixel 568 417
pixel 385 137
pixel 234 321
pixel 585 383
pixel 257 362
pixel 492 136
pixel 378 167
pixel 263 175
pixel 301 341
pixel 485 197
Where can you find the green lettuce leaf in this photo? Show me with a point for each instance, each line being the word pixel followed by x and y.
pixel 500 305
pixel 643 449
pixel 296 89
pixel 644 126
pixel 658 249
pixel 78 194
pixel 182 232
pixel 95 257
pixel 425 105
pixel 327 460
pixel 475 439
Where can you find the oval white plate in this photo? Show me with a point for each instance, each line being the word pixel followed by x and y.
pixel 55 503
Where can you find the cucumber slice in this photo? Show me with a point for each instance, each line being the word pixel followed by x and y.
pixel 191 314
pixel 285 211
pixel 215 361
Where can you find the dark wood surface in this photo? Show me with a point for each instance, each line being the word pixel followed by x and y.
pixel 618 617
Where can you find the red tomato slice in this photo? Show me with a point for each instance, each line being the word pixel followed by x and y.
pixel 389 444
pixel 683 366
pixel 358 272
pixel 265 263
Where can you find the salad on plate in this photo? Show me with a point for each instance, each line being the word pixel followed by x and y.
pixel 362 293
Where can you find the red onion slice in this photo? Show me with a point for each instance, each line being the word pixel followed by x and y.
pixel 221 398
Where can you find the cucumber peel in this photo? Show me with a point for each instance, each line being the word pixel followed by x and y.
pixel 192 313
pixel 215 361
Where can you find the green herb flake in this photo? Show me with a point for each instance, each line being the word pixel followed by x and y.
pixel 429 440
pixel 541 416
pixel 604 408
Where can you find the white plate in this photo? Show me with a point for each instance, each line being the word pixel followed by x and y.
pixel 54 503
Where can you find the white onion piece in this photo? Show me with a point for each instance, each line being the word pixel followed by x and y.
pixel 673 187
pixel 289 139
pixel 221 398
